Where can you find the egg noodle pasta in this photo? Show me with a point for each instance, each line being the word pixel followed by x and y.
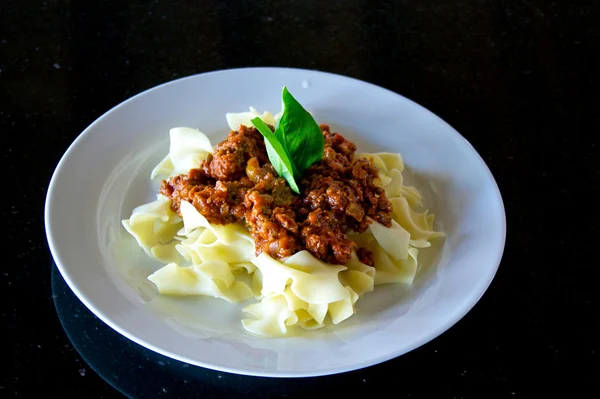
pixel 296 292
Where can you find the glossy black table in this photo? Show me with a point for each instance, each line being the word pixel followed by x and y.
pixel 518 79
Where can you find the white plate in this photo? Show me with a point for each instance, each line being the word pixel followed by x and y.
pixel 105 173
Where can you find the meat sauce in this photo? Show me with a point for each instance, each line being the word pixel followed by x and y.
pixel 337 195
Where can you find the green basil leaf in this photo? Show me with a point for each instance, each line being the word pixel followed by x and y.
pixel 277 154
pixel 300 135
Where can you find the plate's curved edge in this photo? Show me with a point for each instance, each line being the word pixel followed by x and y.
pixel 456 317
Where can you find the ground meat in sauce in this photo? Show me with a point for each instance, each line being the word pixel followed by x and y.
pixel 238 184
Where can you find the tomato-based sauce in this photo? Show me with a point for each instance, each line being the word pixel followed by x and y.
pixel 238 184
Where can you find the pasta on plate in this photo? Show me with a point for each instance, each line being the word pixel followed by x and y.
pixel 296 292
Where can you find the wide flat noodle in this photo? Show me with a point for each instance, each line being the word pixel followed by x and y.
pixel 208 246
pixel 311 280
pixel 390 270
pixel 384 161
pixel 242 267
pixel 344 308
pixel 234 120
pixel 271 316
pixel 154 226
pixel 277 312
pixel 188 148
pixel 412 195
pixel 228 234
pixel 358 276
pixel 390 167
pixel 230 243
pixel 394 240
pixel 308 287
pixel 395 184
pixel 419 225
pixel 212 278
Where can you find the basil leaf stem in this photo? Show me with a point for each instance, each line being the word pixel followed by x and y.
pixel 277 154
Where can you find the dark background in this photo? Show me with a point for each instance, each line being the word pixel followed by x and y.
pixel 518 79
